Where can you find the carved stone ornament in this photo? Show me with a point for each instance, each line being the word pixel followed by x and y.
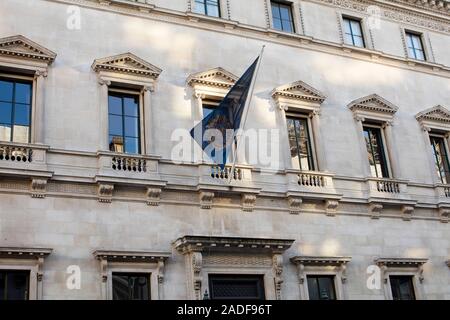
pixel 437 117
pixel 23 48
pixel 373 103
pixel 375 210
pixel 331 207
pixel 444 214
pixel 278 272
pixel 388 263
pixel 299 90
pixel 127 63
pixel 105 192
pixel 206 199
pixel 407 212
pixel 295 204
pixel 38 188
pixel 217 77
pixel 248 202
pixel 153 196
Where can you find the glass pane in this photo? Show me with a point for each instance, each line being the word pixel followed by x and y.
pixel 402 288
pixel 199 7
pixel 348 39
pixel 356 28
pixel 6 91
pixel 22 114
pixel 359 42
pixel 115 125
pixel 277 24
pixel 131 106
pixel 416 42
pixel 115 105
pixel 23 93
pixel 347 26
pixel 275 12
pixel 132 145
pixel 131 287
pixel 5 112
pixel 207 111
pixel 293 144
pixel 409 40
pixel 285 13
pixel 326 287
pixel 5 132
pixel 420 55
pixel 17 286
pixel 411 53
pixel 313 288
pixel 21 134
pixel 131 127
pixel 287 25
pixel 213 10
pixel 116 144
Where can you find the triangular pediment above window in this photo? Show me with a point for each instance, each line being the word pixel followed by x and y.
pixel 374 104
pixel 127 63
pixel 299 90
pixel 217 77
pixel 435 114
pixel 22 47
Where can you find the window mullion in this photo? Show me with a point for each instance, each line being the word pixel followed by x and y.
pixel 297 134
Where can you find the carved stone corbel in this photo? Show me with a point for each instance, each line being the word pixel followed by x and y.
pixel 331 207
pixel 248 202
pixel 278 272
pixel 206 199
pixel 343 272
pixel 375 210
pixel 153 196
pixel 407 212
pixel 444 214
pixel 105 192
pixel 38 188
pixel 197 264
pixel 294 204
pixel 104 269
pixel 40 273
pixel 301 273
pixel 420 273
pixel 104 82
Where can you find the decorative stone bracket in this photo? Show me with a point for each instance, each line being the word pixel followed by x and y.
pixel 407 212
pixel 206 199
pixel 331 207
pixel 444 214
pixel 38 188
pixel 375 210
pixel 294 204
pixel 248 202
pixel 105 192
pixel 153 196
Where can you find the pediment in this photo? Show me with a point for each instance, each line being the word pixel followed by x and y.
pixel 127 63
pixel 373 103
pixel 217 77
pixel 299 90
pixel 22 47
pixel 435 114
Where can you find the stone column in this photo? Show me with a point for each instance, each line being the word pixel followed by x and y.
pixel 318 142
pixel 38 120
pixel 362 146
pixel 103 112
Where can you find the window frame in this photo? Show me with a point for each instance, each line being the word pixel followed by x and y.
pixel 288 4
pixel 360 22
pixel 148 275
pixel 420 35
pixel 17 78
pixel 28 273
pixel 258 277
pixel 442 136
pixel 141 121
pixel 312 148
pixel 194 3
pixel 333 276
pixel 411 278
pixel 385 155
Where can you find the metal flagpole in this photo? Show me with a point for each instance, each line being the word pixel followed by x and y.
pixel 246 109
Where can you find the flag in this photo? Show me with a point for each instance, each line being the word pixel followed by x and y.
pixel 217 131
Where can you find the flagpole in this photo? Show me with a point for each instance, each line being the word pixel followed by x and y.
pixel 246 109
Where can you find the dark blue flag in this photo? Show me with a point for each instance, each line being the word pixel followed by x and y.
pixel 216 132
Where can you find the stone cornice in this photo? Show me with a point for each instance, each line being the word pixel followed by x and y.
pixel 400 262
pixel 23 48
pixel 127 63
pixel 131 256
pixel 217 77
pixel 24 253
pixel 320 261
pixel 252 245
pixel 441 6
pixel 434 114
pixel 299 90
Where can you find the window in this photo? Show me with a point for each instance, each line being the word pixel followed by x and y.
pixel 14 285
pixel 441 158
pixel 124 128
pixel 402 288
pixel 131 286
pixel 375 151
pixel 300 143
pixel 209 105
pixel 15 110
pixel 353 32
pixel 236 287
pixel 415 46
pixel 321 288
pixel 208 7
pixel 282 16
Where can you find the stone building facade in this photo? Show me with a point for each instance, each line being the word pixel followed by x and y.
pixel 358 211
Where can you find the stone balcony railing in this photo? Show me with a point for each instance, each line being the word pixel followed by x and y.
pixel 212 176
pixel 311 184
pixel 390 190
pixel 23 159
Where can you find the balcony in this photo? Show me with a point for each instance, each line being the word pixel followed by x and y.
pixel 311 184
pixel 212 177
pixel 26 160
pixel 388 191
pixel 126 168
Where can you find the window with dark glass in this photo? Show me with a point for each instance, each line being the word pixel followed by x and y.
pixel 208 7
pixel 300 143
pixel 15 110
pixel 236 287
pixel 131 286
pixel 402 288
pixel 375 152
pixel 321 288
pixel 353 32
pixel 282 16
pixel 14 285
pixel 415 46
pixel 440 158
pixel 209 105
pixel 124 123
